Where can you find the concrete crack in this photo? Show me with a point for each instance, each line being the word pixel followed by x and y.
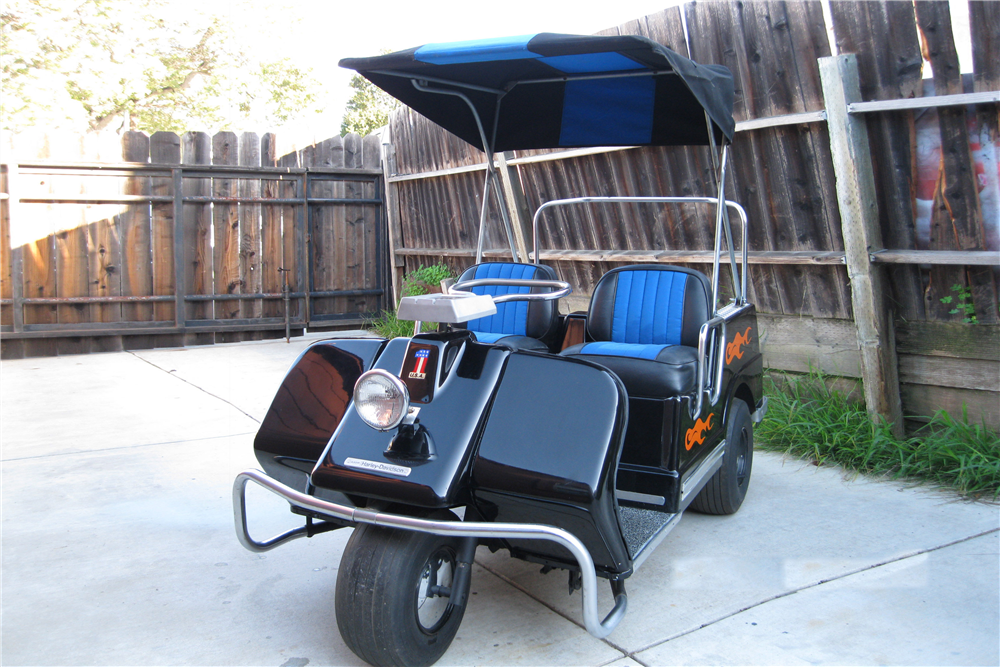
pixel 634 654
pixel 779 596
pixel 201 389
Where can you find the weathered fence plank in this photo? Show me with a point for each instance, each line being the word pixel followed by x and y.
pixel 250 234
pixel 293 238
pixel 164 148
pixel 271 245
pixel 134 222
pixel 350 246
pixel 923 400
pixel 948 372
pixel 6 257
pixel 948 339
pixel 197 220
pixel 807 344
pixel 371 226
pixel 226 226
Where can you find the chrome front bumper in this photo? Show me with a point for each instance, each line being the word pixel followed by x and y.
pixel 355 515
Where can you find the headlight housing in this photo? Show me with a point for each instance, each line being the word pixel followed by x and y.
pixel 381 399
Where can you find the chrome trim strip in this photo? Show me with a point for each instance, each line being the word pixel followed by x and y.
pixel 529 531
pixel 654 541
pixel 705 469
pixel 636 497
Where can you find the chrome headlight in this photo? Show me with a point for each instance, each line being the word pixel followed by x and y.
pixel 381 399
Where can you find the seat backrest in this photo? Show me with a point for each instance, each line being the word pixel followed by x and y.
pixel 649 305
pixel 535 319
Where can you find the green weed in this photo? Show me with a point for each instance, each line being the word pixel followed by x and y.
pixel 416 282
pixel 964 305
pixel 390 326
pixel 807 419
pixel 423 279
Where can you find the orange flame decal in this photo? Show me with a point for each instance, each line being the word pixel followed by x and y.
pixel 697 433
pixel 734 350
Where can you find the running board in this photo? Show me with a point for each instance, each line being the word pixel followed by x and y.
pixel 643 530
pixel 696 479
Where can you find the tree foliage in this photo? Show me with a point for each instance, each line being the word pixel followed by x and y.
pixel 368 109
pixel 145 65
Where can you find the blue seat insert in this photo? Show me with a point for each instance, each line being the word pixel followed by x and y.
pixel 644 322
pixel 519 324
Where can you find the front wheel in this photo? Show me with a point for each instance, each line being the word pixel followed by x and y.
pixel 725 491
pixel 392 599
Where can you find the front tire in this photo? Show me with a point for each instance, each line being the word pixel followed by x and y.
pixel 388 608
pixel 725 491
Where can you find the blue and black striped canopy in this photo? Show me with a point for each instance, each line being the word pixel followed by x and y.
pixel 561 91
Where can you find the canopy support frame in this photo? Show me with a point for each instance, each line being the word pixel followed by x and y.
pixel 492 178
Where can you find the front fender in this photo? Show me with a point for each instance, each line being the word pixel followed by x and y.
pixel 309 406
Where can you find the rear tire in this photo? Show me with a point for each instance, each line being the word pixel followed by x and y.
pixel 726 489
pixel 385 611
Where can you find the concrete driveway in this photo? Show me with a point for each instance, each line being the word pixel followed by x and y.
pixel 118 547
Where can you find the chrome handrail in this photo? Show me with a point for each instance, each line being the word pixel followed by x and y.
pixel 703 351
pixel 523 531
pixel 562 288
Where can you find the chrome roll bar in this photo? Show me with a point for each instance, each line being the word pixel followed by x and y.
pixel 739 288
pixel 355 515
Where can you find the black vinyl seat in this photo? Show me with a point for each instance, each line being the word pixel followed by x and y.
pixel 644 322
pixel 522 325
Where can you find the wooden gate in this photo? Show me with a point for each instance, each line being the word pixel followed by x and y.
pixel 190 239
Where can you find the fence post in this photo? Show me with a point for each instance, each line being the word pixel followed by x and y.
pixel 860 223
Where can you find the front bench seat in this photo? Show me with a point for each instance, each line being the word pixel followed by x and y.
pixel 521 325
pixel 644 322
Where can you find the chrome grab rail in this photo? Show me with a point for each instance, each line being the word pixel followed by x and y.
pixel 523 531
pixel 703 370
pixel 726 314
pixel 562 288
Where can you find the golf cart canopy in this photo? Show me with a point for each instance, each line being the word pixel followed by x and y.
pixel 559 91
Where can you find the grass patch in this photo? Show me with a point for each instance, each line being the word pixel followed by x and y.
pixel 390 326
pixel 806 418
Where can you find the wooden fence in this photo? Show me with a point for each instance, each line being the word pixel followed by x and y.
pixel 924 233
pixel 189 239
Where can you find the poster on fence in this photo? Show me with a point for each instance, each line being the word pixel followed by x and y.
pixel 985 150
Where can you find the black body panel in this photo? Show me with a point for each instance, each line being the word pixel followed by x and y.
pixel 649 455
pixel 460 391
pixel 309 405
pixel 549 453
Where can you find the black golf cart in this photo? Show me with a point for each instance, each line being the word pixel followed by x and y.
pixel 507 428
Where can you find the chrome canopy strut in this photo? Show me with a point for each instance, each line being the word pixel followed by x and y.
pixel 492 179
